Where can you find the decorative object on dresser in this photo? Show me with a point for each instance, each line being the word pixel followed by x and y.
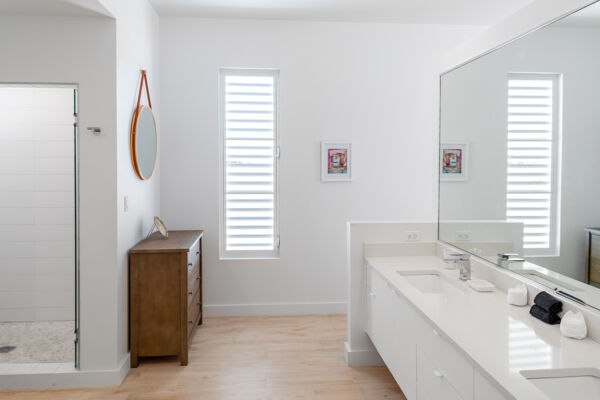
pixel 165 294
pixel 160 227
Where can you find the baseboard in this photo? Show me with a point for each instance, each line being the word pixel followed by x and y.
pixel 234 310
pixel 60 376
pixel 358 358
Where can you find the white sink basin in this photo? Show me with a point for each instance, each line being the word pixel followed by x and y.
pixel 433 282
pixel 583 383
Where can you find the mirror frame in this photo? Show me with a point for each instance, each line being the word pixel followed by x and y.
pixel 468 61
pixel 133 145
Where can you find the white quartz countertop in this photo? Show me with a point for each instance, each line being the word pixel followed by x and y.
pixel 500 339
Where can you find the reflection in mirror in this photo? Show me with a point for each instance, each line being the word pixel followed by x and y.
pixel 529 112
pixel 144 142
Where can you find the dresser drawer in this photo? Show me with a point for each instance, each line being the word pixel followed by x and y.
pixel 193 288
pixel 193 312
pixel 193 279
pixel 194 255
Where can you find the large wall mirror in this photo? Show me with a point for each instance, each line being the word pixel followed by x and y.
pixel 520 156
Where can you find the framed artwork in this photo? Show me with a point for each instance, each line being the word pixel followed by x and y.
pixel 336 161
pixel 453 162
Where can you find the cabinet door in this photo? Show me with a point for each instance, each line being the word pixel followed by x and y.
pixel 376 311
pixel 433 383
pixel 404 343
pixel 370 299
pixel 381 317
pixel 484 389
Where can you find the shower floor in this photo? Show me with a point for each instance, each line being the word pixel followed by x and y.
pixel 37 342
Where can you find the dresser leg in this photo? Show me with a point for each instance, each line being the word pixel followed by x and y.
pixel 134 360
pixel 184 359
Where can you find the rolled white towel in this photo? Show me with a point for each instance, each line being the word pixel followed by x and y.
pixel 573 325
pixel 517 296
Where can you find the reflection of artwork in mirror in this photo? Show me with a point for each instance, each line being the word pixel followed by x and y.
pixel 453 162
pixel 530 109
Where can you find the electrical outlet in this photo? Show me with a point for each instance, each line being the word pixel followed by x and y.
pixel 462 236
pixel 413 236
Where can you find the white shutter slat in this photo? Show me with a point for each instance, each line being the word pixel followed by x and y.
pixel 249 151
pixel 529 163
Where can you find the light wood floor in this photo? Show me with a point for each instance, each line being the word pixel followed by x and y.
pixel 279 358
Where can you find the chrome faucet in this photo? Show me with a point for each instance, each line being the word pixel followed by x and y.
pixel 504 259
pixel 464 264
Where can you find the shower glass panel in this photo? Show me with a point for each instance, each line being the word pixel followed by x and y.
pixel 38 224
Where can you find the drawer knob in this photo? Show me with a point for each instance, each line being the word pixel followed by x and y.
pixel 197 253
pixel 190 322
pixel 197 278
pixel 438 373
pixel 189 264
pixel 372 294
pixel 189 293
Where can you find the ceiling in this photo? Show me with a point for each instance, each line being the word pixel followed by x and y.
pixel 589 17
pixel 460 12
pixel 55 8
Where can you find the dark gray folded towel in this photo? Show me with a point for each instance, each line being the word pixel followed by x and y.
pixel 548 303
pixel 543 315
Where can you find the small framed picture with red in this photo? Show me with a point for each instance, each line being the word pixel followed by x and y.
pixel 336 161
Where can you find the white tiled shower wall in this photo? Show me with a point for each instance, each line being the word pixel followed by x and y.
pixel 37 238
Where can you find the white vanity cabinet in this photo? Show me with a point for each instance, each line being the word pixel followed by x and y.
pixel 389 327
pixel 425 365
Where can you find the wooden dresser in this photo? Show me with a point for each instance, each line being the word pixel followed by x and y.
pixel 165 294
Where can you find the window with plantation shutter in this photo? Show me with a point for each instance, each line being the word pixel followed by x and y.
pixel 533 148
pixel 249 153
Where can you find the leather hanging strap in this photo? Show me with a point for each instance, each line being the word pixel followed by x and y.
pixel 142 83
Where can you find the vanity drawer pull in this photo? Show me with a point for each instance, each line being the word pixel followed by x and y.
pixel 190 293
pixel 189 264
pixel 197 253
pixel 438 373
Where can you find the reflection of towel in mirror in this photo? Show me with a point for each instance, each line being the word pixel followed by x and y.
pixel 543 315
pixel 548 303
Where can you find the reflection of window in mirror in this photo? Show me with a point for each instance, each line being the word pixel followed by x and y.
pixel 532 190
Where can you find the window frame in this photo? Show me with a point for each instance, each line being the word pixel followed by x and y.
pixel 553 250
pixel 225 254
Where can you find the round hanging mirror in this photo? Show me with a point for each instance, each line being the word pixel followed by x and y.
pixel 143 142
pixel 143 137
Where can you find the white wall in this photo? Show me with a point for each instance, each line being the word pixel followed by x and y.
pixel 59 50
pixel 373 84
pixel 137 49
pixel 37 206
